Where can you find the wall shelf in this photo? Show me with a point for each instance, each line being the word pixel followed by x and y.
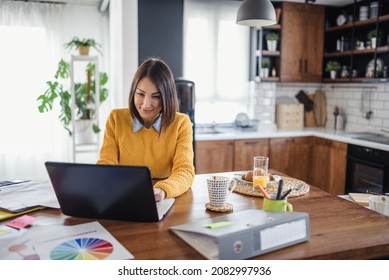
pixel 350 45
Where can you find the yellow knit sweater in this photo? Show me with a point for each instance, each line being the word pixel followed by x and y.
pixel 169 155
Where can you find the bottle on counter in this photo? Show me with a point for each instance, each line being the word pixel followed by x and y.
pixel 274 72
pixel 339 122
pixel 336 114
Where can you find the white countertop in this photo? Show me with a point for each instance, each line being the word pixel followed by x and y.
pixel 331 134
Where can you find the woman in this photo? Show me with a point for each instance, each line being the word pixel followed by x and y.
pixel 151 132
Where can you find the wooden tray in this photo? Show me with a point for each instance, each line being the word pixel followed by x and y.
pixel 298 187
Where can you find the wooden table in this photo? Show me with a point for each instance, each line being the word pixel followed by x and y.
pixel 340 229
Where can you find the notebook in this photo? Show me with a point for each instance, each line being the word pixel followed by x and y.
pixel 115 192
pixel 360 198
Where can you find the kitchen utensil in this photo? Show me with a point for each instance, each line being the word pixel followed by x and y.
pixel 302 97
pixel 320 108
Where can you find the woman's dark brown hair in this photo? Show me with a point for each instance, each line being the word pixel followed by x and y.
pixel 161 75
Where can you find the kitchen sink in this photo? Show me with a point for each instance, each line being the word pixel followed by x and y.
pixel 223 128
pixel 207 131
pixel 378 138
pixel 369 136
pixel 361 134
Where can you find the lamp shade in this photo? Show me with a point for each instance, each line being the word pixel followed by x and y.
pixel 256 13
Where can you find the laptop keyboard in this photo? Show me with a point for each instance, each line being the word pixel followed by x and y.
pixel 162 208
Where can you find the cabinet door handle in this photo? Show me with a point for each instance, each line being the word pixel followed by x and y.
pixel 251 143
pixel 306 65
pixel 300 65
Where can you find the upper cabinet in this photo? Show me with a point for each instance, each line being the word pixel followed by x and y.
pixel 356 39
pixel 302 42
pixel 296 54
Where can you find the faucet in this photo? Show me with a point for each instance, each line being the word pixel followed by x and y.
pixel 213 126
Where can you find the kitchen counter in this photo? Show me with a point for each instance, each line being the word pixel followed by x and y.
pixel 331 134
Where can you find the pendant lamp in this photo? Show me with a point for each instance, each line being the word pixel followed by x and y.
pixel 256 13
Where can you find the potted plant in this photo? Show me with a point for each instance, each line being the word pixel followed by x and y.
pixel 85 96
pixel 265 64
pixel 372 36
pixel 271 40
pixel 333 66
pixel 82 45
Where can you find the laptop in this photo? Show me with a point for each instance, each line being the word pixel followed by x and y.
pixel 115 192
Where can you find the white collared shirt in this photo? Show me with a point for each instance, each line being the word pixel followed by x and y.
pixel 137 125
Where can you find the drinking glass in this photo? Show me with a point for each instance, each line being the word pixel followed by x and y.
pixel 260 172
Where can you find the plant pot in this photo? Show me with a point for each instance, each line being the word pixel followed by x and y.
pixel 271 45
pixel 333 74
pixel 264 72
pixel 373 42
pixel 84 133
pixel 83 50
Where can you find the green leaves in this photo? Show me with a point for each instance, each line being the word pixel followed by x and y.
pixel 84 95
pixel 76 43
pixel 45 101
pixel 63 70
pixel 95 128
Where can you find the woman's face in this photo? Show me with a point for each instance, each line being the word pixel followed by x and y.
pixel 147 101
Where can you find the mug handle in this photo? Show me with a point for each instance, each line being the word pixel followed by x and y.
pixel 289 207
pixel 234 185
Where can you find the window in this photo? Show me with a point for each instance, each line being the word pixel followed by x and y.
pixel 216 58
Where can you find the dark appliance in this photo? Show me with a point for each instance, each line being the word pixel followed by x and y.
pixel 186 100
pixel 367 170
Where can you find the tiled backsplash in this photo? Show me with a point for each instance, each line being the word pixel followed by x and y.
pixel 351 98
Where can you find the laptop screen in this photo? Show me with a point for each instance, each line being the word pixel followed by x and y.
pixel 115 192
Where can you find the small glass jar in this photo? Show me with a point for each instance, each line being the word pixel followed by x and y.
pixel 344 73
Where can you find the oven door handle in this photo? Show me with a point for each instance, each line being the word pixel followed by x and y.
pixel 365 162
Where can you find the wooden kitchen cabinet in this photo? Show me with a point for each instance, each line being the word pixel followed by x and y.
pixel 329 165
pixel 302 42
pixel 245 151
pixel 291 156
pixel 214 156
pixel 317 161
pixel 229 155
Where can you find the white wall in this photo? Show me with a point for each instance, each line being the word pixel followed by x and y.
pixel 350 97
pixel 124 48
pixel 84 22
pixel 347 97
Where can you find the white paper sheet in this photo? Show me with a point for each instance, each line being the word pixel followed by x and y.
pixel 31 193
pixel 90 241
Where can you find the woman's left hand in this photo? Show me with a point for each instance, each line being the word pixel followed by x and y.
pixel 159 194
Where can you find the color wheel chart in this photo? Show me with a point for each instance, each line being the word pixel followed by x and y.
pixel 82 249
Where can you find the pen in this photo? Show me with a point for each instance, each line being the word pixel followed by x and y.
pixel 286 194
pixel 376 193
pixel 280 187
pixel 265 194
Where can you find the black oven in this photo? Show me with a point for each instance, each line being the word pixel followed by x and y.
pixel 367 170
